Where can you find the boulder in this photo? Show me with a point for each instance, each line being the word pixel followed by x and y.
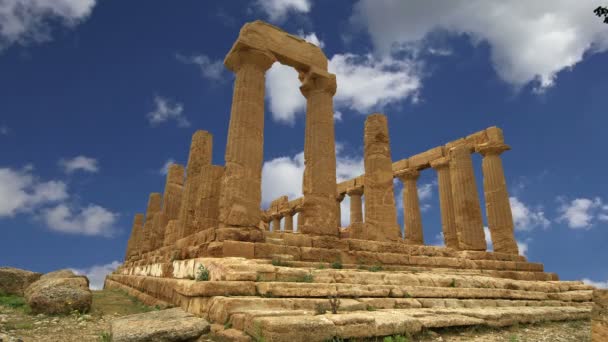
pixel 14 280
pixel 59 292
pixel 155 326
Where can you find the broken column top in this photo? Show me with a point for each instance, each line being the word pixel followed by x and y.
pixel 175 174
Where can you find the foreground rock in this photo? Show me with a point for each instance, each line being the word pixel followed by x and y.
pixel 165 325
pixel 14 280
pixel 59 292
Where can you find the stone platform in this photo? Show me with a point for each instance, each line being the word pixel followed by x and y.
pixel 289 300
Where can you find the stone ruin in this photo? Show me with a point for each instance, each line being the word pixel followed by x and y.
pixel 206 245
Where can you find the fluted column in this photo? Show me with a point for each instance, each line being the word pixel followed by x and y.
pixel 276 223
pixel 467 210
pixel 154 201
pixel 411 207
pixel 288 216
pixel 172 201
pixel 319 180
pixel 356 210
pixel 339 200
pixel 241 189
pixel 208 200
pixel 599 316
pixel 498 208
pixel 448 221
pixel 138 222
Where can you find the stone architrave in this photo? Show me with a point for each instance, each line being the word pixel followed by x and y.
pixel 319 180
pixel 448 221
pixel 138 222
pixel 154 201
pixel 172 200
pixel 498 207
pixel 380 210
pixel 411 207
pixel 241 189
pixel 467 210
pixel 200 155
pixel 208 206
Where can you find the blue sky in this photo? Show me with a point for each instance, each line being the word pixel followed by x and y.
pixel 97 96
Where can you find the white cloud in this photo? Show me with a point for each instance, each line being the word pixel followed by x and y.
pixel 529 41
pixel 4 130
pixel 27 21
pixel 210 69
pixel 166 110
pixel 581 213
pixel 91 220
pixel 598 284
pixel 523 247
pixel 97 273
pixel 79 163
pixel 337 116
pixel 311 38
pixel 425 191
pixel 165 169
pixel 438 240
pixel 277 10
pixel 488 236
pixel 283 93
pixel 526 219
pixel 21 191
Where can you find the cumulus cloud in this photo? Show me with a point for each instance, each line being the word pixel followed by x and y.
pixel 21 191
pixel 166 110
pixel 165 169
pixel 277 10
pixel 337 116
pixel 97 273
pixel 27 21
pixel 526 219
pixel 210 69
pixel 529 41
pixel 82 163
pixel 582 213
pixel 598 284
pixel 91 220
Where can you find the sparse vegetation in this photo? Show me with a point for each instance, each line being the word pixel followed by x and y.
pixel 334 303
pixel 105 337
pixel 320 309
pixel 12 301
pixel 396 338
pixel 370 308
pixel 375 268
pixel 337 264
pixel 227 325
pixel 453 283
pixel 321 266
pixel 202 274
pixel 280 262
pixel 513 338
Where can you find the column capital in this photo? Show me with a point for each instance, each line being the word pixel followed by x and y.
pixel 408 174
pixel 313 82
pixel 244 56
pixel 340 196
pixel 440 163
pixel 275 216
pixel 355 191
pixel 287 212
pixel 491 149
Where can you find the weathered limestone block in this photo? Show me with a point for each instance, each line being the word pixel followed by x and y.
pixel 136 231
pixel 467 210
pixel 380 211
pixel 599 316
pixel 411 207
pixel 200 155
pixel 154 202
pixel 319 179
pixel 207 210
pixel 446 203
pixel 498 208
pixel 241 189
pixel 171 233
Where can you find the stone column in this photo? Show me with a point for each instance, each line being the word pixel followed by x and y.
pixel 319 180
pixel 411 207
pixel 467 210
pixel 380 210
pixel 356 208
pixel 200 155
pixel 288 216
pixel 448 221
pixel 498 207
pixel 208 199
pixel 276 223
pixel 153 208
pixel 339 200
pixel 172 201
pixel 241 189
pixel 138 222
pixel 599 316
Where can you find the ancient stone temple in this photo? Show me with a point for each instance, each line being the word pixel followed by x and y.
pixel 207 245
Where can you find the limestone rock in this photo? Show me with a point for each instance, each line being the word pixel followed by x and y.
pixel 59 292
pixel 15 280
pixel 165 325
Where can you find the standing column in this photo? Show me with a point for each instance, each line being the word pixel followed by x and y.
pixel 138 222
pixel 288 215
pixel 153 208
pixel 339 200
pixel 411 207
pixel 467 210
pixel 448 222
pixel 208 198
pixel 380 210
pixel 356 212
pixel 498 208
pixel 241 189
pixel 172 201
pixel 276 223
pixel 319 180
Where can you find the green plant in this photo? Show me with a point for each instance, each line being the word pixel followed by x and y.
pixel 371 308
pixel 375 268
pixel 337 264
pixel 334 303
pixel 12 301
pixel 279 262
pixel 308 278
pixel 321 266
pixel 453 283
pixel 105 337
pixel 258 336
pixel 388 339
pixel 202 274
pixel 406 295
pixel 513 338
pixel 227 325
pixel 320 309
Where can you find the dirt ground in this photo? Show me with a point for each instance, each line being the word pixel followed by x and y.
pixel 16 324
